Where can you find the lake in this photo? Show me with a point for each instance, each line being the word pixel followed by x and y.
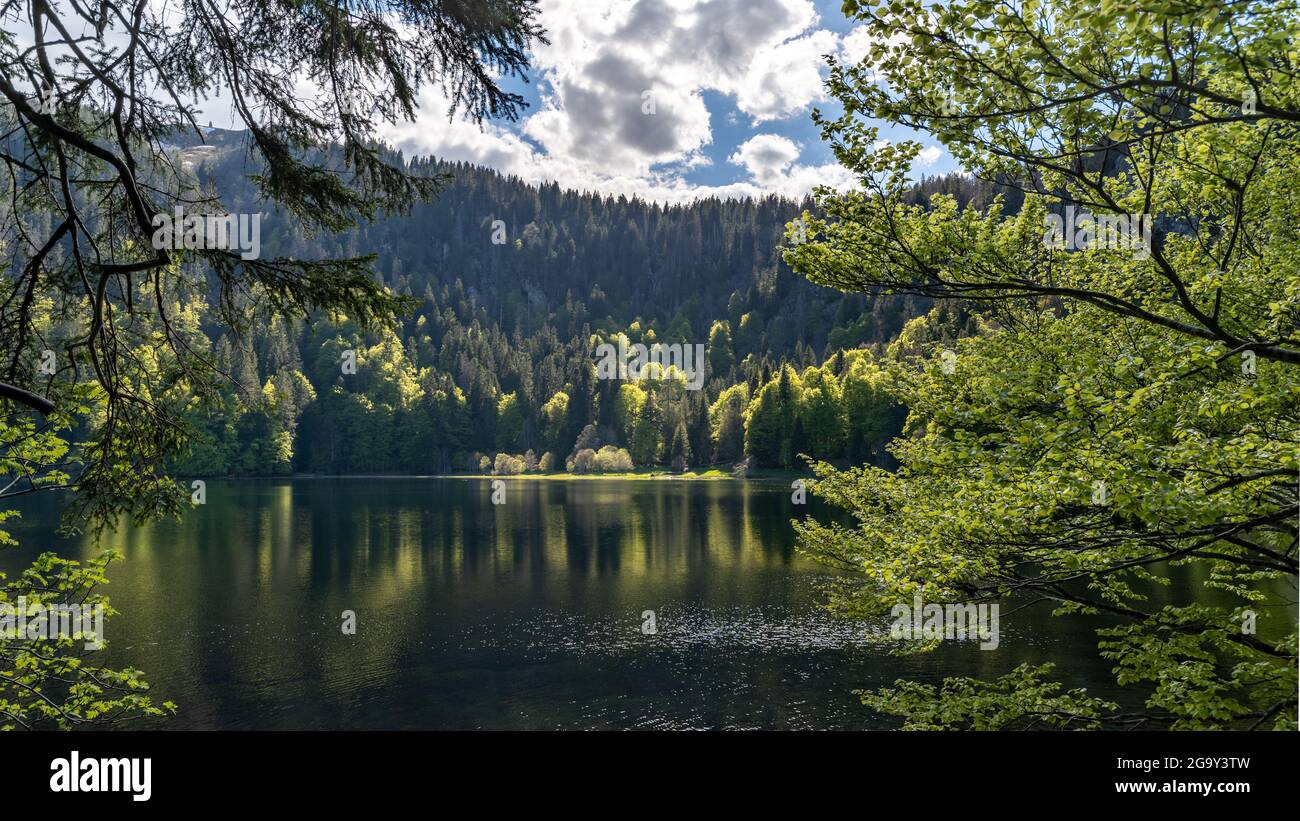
pixel 530 614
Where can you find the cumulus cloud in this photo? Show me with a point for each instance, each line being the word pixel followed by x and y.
pixel 601 66
pixel 766 157
pixel 786 78
pixel 456 139
pixel 622 97
pixel 855 45
pixel 772 164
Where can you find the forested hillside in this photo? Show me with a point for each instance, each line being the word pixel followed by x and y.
pixel 512 287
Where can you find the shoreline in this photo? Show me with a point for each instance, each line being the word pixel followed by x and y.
pixel 649 475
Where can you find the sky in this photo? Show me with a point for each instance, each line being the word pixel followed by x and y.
pixel 668 100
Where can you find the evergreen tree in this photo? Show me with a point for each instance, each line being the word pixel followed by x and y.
pixel 680 452
pixel 721 356
pixel 646 446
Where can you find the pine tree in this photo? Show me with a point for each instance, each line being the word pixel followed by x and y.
pixel 721 356
pixel 680 454
pixel 647 438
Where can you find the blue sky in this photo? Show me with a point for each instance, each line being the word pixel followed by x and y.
pixel 732 84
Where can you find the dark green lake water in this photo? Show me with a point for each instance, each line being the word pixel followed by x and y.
pixel 515 616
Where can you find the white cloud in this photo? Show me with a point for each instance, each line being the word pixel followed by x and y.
pixel 594 129
pixel 599 67
pixel 855 45
pixel 786 78
pixel 457 139
pixel 772 164
pixel 766 157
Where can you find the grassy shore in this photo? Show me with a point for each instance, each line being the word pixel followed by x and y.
pixel 709 474
pixel 647 473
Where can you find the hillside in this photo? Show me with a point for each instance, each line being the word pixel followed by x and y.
pixel 495 355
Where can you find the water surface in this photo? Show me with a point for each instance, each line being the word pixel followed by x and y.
pixel 523 615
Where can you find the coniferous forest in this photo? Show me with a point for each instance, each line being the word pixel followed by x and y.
pixel 491 368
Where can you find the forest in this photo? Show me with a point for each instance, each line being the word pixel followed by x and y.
pixel 491 369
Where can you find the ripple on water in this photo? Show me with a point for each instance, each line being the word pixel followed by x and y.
pixel 679 628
